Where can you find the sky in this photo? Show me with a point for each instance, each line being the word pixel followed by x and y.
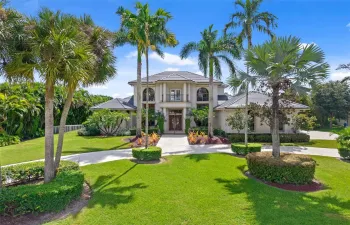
pixel 323 22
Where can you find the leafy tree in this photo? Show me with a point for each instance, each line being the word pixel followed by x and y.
pixel 248 19
pixel 107 121
pixel 236 120
pixel 281 64
pixel 200 116
pixel 303 122
pixel 331 99
pixel 211 50
pixel 347 67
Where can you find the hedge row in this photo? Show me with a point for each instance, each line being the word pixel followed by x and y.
pixel 241 149
pixel 6 140
pixel 149 154
pixel 50 197
pixel 150 131
pixel 22 173
pixel 284 138
pixel 344 153
pixel 288 169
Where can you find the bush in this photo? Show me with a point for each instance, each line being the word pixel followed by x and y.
pixel 149 154
pixel 219 132
pixel 49 197
pixel 284 138
pixel 150 131
pixel 22 173
pixel 187 125
pixel 288 169
pixel 241 149
pixel 6 140
pixel 199 129
pixel 344 153
pixel 89 131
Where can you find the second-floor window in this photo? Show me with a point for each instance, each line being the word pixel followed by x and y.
pixel 175 95
pixel 150 94
pixel 202 95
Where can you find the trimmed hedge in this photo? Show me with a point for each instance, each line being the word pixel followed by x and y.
pixel 219 132
pixel 50 197
pixel 241 149
pixel 25 172
pixel 344 153
pixel 150 131
pixel 288 169
pixel 284 138
pixel 6 140
pixel 149 154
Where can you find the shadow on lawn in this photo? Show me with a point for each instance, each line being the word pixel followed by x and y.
pixel 273 206
pixel 198 157
pixel 94 149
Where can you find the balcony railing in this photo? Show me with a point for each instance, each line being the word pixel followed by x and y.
pixel 174 98
pixel 203 98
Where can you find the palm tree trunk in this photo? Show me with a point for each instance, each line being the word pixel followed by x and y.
pixel 63 120
pixel 246 116
pixel 275 123
pixel 49 172
pixel 210 114
pixel 139 91
pixel 147 97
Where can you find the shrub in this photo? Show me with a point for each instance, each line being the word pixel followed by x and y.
pixel 199 129
pixel 288 169
pixel 6 140
pixel 241 149
pixel 25 172
pixel 187 125
pixel 49 197
pixel 344 153
pixel 149 154
pixel 219 132
pixel 89 131
pixel 284 138
pixel 160 123
pixel 150 131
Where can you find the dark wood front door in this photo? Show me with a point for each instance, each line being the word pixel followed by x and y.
pixel 175 122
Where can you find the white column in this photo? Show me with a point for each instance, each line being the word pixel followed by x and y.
pixel 165 120
pixel 164 92
pixel 184 112
pixel 184 93
pixel 189 92
pixel 160 89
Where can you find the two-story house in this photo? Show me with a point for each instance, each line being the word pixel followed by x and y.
pixel 175 93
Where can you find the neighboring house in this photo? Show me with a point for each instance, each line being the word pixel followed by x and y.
pixel 175 93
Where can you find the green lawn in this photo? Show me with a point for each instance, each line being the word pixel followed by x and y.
pixel 208 189
pixel 315 143
pixel 73 144
pixel 335 129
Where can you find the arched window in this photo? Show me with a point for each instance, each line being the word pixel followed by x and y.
pixel 202 95
pixel 150 94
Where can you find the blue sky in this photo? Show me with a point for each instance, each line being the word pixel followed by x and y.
pixel 323 22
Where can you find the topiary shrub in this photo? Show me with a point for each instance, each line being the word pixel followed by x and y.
pixel 49 197
pixel 219 132
pixel 288 169
pixel 241 149
pixel 149 154
pixel 25 172
pixel 344 153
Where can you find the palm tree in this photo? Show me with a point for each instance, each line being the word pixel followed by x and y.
pixel 248 19
pixel 94 64
pixel 211 50
pixel 51 43
pixel 347 67
pixel 283 64
pixel 146 31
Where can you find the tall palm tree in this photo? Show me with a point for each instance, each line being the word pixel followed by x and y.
pixel 94 64
pixel 347 67
pixel 248 19
pixel 51 43
pixel 211 50
pixel 283 64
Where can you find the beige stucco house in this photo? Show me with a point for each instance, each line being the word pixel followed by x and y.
pixel 175 93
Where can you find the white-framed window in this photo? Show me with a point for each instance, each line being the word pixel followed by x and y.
pixel 175 95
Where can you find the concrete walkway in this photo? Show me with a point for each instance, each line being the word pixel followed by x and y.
pixel 321 135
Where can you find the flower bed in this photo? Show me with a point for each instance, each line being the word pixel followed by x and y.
pixel 141 141
pixel 195 138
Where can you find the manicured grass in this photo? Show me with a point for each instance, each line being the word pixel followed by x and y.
pixel 335 129
pixel 73 144
pixel 208 189
pixel 312 143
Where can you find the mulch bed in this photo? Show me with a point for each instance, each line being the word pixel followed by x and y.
pixel 209 141
pixel 160 161
pixel 32 219
pixel 312 187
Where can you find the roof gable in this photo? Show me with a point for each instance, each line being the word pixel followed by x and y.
pixel 116 104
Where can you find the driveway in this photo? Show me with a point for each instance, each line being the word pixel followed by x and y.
pixel 321 135
pixel 178 145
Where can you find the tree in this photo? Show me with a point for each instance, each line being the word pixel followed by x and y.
pixel 211 50
pixel 347 67
pixel 331 99
pixel 281 64
pixel 94 64
pixel 303 122
pixel 250 18
pixel 51 47
pixel 236 120
pixel 200 116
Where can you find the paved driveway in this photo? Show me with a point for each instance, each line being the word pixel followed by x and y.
pixel 321 135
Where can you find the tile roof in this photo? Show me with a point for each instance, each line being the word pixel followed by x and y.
pixel 176 76
pixel 253 97
pixel 117 104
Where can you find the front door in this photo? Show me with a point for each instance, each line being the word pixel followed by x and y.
pixel 175 122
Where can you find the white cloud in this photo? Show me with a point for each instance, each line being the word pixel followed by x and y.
pixel 348 25
pixel 132 54
pixel 172 69
pixel 116 95
pixel 172 59
pixel 199 72
pixel 339 75
pixel 304 45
